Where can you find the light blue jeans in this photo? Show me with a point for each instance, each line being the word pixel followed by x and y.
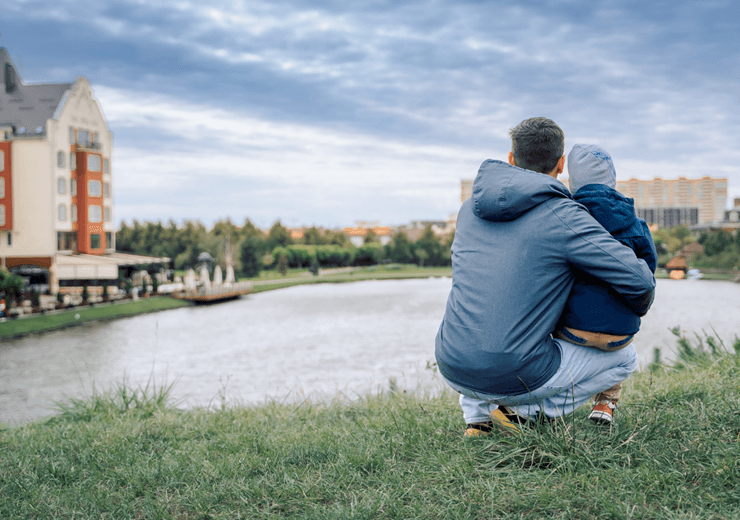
pixel 583 373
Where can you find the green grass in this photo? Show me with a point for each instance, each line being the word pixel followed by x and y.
pixel 129 453
pixel 71 317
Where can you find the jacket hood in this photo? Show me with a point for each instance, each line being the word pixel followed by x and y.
pixel 613 210
pixel 502 192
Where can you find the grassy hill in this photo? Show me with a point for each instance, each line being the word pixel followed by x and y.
pixel 130 453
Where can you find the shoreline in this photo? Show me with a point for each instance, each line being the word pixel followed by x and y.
pixel 62 319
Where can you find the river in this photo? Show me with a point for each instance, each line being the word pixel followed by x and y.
pixel 322 341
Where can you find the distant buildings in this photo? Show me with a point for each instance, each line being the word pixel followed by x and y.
pixel 665 203
pixel 670 202
pixel 56 191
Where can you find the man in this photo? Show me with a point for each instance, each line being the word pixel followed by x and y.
pixel 518 241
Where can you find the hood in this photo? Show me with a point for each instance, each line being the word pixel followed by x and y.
pixel 502 192
pixel 613 210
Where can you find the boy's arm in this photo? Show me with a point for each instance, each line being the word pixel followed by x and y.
pixel 645 247
pixel 593 250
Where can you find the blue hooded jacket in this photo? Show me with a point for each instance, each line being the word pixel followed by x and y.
pixel 518 240
pixel 592 305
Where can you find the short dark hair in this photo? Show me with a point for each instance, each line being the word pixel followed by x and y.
pixel 537 144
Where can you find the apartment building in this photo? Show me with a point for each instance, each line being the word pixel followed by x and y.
pixel 56 191
pixel 670 200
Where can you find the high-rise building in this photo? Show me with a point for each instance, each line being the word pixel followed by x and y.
pixel 671 199
pixel 466 189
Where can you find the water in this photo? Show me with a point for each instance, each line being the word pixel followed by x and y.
pixel 319 341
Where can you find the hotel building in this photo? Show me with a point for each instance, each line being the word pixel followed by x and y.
pixel 56 191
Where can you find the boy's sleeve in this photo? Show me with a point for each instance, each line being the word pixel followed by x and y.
pixel 593 250
pixel 645 247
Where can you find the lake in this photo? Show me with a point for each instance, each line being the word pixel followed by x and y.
pixel 326 341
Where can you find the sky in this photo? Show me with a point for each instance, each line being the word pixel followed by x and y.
pixel 328 112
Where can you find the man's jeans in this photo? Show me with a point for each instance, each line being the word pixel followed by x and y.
pixel 583 373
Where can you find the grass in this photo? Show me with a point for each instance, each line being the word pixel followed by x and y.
pixel 71 317
pixel 129 453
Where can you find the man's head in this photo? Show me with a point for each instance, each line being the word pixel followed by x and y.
pixel 538 144
pixel 590 164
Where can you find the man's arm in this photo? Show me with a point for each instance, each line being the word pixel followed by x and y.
pixel 593 250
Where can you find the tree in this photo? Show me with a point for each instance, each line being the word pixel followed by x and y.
pixel 399 249
pixel 370 237
pixel 434 249
pixel 282 264
pixel 278 236
pixel 312 236
pixel 681 233
pixel 251 251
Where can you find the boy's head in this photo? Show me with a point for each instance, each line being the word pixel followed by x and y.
pixel 590 164
pixel 537 144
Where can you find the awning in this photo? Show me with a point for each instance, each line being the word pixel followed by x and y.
pixel 99 267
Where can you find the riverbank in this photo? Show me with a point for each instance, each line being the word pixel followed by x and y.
pixel 270 281
pixel 129 453
pixel 19 327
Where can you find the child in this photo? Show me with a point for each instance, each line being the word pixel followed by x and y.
pixel 595 316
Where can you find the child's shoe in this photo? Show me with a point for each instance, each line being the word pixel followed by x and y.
pixel 603 412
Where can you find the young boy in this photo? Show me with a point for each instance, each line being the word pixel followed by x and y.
pixel 595 315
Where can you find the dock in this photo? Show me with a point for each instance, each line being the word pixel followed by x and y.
pixel 215 293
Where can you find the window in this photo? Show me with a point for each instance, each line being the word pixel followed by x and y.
pixel 62 212
pixel 72 161
pixel 72 136
pixel 60 159
pixel 2 218
pixel 2 160
pixel 94 213
pixel 108 240
pixel 106 190
pixel 61 186
pixel 66 240
pixel 73 187
pixel 83 138
pixel 93 188
pixel 106 214
pixel 95 241
pixel 95 140
pixel 93 163
pixel 10 235
pixel 106 165
pixel 73 216
pixel 2 187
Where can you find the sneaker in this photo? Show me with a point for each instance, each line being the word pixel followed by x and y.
pixel 603 412
pixel 478 429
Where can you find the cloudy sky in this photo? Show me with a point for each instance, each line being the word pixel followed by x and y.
pixel 325 112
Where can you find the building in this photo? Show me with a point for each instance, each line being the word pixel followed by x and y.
pixel 357 233
pixel 56 191
pixel 669 217
pixel 671 200
pixel 466 189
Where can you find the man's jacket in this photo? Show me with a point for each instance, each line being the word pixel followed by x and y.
pixel 517 242
pixel 592 305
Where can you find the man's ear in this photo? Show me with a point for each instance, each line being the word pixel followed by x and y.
pixel 559 168
pixel 511 159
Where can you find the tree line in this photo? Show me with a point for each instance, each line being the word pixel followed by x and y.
pixel 721 248
pixel 251 250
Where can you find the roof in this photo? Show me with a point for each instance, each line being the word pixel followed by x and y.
pixel 26 107
pixel 677 262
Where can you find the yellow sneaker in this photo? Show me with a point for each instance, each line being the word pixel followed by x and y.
pixel 502 417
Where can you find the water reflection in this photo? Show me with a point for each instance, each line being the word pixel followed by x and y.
pixel 316 340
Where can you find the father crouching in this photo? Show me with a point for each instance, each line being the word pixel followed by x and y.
pixel 518 240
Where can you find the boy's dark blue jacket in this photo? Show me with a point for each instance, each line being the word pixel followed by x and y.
pixel 592 305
